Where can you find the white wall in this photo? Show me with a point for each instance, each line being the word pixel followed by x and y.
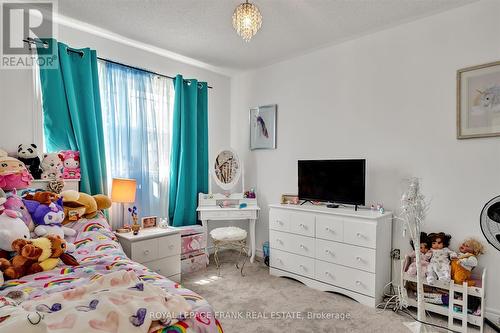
pixel 17 123
pixel 388 97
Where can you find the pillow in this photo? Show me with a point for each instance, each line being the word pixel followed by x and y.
pixel 98 223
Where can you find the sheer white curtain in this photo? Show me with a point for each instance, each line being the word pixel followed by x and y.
pixel 137 108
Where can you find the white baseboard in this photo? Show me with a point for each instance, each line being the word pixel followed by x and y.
pixel 493 315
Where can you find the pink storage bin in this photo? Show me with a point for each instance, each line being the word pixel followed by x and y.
pixel 193 262
pixel 193 243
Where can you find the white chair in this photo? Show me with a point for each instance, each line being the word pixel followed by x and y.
pixel 230 237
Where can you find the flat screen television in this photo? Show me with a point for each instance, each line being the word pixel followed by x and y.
pixel 336 181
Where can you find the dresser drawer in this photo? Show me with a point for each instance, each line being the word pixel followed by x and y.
pixel 360 233
pixel 302 224
pixel 169 245
pixel 145 250
pixel 292 263
pixel 330 228
pixel 347 255
pixel 345 277
pixel 166 266
pixel 279 220
pixel 301 245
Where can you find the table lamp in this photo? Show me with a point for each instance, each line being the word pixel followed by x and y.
pixel 123 191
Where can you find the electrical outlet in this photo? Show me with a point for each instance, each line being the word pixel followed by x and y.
pixel 396 254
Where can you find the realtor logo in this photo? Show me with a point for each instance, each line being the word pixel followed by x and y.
pixel 27 21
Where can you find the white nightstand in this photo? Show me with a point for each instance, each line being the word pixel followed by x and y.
pixel 156 248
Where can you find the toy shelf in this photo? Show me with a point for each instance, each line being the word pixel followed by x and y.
pixel 463 291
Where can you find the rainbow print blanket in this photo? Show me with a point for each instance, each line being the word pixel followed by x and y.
pixel 101 257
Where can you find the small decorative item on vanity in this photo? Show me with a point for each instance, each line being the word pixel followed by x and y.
pixel 13 173
pixel 28 154
pixel 52 166
pixel 149 222
pixel 478 101
pixel 263 127
pixel 71 164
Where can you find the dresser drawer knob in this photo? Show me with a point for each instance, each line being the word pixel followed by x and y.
pixel 146 252
pixel 302 247
pixel 302 226
pixel 279 222
pixel 360 235
pixel 158 270
pixel 359 259
pixel 303 267
pixel 279 240
pixel 330 230
pixel 329 275
pixel 329 252
pixel 279 260
pixel 171 246
pixel 358 283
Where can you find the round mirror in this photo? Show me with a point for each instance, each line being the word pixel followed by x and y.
pixel 227 169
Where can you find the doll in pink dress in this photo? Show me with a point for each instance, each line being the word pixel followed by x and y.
pixel 424 256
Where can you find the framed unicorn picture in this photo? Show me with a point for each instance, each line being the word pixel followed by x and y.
pixel 263 127
pixel 478 101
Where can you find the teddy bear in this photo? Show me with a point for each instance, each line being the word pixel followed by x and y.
pixel 28 154
pixel 440 255
pixel 52 166
pixel 13 173
pixel 71 164
pixel 463 263
pixel 82 205
pixel 48 219
pixel 11 228
pixel 36 255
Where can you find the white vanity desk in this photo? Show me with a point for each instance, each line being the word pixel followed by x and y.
pixel 216 213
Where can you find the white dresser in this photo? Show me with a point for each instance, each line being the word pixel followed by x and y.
pixel 156 248
pixel 332 249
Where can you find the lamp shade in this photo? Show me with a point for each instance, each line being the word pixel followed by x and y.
pixel 123 190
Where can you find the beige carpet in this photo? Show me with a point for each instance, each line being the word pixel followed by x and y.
pixel 259 294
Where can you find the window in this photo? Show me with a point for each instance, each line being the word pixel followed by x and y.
pixel 137 108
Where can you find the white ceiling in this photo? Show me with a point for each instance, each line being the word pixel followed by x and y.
pixel 202 29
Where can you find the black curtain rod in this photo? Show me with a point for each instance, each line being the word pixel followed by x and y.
pixel 32 41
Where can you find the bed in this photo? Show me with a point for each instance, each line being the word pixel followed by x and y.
pixel 99 256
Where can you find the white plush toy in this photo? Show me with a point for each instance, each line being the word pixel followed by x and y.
pixel 52 166
pixel 11 228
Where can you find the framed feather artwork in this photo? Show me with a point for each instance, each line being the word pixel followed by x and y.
pixel 263 127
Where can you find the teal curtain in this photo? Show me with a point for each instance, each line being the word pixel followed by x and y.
pixel 72 111
pixel 189 152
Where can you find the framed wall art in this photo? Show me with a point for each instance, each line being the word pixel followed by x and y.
pixel 263 127
pixel 478 101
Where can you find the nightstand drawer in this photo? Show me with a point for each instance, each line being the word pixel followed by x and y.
pixel 169 245
pixel 166 266
pixel 145 250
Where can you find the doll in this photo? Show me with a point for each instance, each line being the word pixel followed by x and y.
pixel 440 255
pixel 424 256
pixel 462 265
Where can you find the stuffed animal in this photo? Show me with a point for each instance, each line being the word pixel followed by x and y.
pixel 439 267
pixel 52 166
pixel 424 256
pixel 466 260
pixel 11 228
pixel 13 173
pixel 81 205
pixel 36 255
pixel 28 154
pixel 15 203
pixel 48 220
pixel 71 164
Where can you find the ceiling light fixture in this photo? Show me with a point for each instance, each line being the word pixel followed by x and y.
pixel 247 20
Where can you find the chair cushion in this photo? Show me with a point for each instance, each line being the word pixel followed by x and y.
pixel 228 234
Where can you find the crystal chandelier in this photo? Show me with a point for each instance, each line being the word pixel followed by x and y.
pixel 247 20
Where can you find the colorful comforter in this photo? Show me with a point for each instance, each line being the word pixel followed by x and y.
pixel 100 254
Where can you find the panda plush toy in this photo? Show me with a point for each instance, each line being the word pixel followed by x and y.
pixel 28 154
